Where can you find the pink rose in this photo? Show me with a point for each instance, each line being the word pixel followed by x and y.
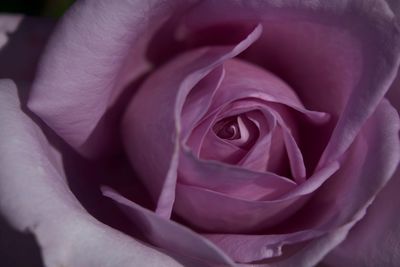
pixel 222 133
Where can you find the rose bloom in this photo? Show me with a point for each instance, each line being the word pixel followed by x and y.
pixel 204 133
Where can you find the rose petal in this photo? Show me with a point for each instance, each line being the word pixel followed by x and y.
pixel 170 235
pixel 230 180
pixel 248 248
pixel 199 99
pixel 394 93
pixel 214 148
pixel 158 169
pixel 249 81
pixel 259 155
pixel 97 49
pixel 216 211
pixel 374 240
pixel 34 196
pixel 337 61
pixel 351 199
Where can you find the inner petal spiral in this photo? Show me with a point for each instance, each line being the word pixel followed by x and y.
pixel 227 129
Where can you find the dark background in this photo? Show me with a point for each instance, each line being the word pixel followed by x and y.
pixel 48 8
pixel 20 249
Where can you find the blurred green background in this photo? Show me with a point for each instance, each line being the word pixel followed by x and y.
pixel 48 8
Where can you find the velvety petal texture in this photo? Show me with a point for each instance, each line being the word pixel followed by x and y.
pixel 95 52
pixel 209 210
pixel 35 197
pixel 260 130
pixel 187 71
pixel 380 223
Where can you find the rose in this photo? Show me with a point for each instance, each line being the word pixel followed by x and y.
pixel 365 126
pixel 315 256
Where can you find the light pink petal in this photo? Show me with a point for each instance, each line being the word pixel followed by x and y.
pixel 171 236
pixel 96 51
pixel 374 241
pixel 167 90
pixel 34 197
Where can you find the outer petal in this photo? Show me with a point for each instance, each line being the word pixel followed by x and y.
pixel 376 238
pixel 195 250
pixel 95 52
pixel 34 197
pixel 345 53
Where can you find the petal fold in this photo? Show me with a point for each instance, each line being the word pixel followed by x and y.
pixel 35 197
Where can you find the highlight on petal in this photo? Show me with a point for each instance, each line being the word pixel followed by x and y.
pixel 8 24
pixel 97 49
pixel 35 197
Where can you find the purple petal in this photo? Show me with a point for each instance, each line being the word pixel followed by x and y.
pixel 217 211
pixel 374 240
pixel 34 196
pixel 233 181
pixel 96 50
pixel 170 235
pixel 338 62
pixel 158 168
